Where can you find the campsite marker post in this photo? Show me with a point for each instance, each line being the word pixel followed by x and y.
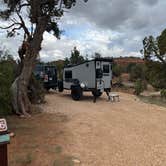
pixel 4 140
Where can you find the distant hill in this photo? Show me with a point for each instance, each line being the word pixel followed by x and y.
pixel 124 61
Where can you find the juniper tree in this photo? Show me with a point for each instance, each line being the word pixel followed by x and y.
pixel 154 51
pixel 155 48
pixel 42 16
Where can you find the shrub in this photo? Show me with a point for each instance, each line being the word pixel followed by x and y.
pixel 6 79
pixel 129 67
pixel 163 93
pixel 139 87
pixel 156 74
pixel 117 70
pixel 137 72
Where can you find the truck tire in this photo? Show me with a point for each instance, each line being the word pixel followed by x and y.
pixel 47 88
pixel 60 86
pixel 96 93
pixel 76 93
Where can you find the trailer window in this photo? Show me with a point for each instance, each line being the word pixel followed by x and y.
pixel 106 68
pixel 68 74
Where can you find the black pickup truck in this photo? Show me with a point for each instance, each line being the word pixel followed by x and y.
pixel 47 74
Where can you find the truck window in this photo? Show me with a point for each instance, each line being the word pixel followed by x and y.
pixel 106 69
pixel 68 74
pixel 50 70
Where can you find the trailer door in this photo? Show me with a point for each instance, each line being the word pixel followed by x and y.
pixel 99 76
pixel 107 74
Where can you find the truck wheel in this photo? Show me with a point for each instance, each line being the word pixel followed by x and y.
pixel 76 93
pixel 96 93
pixel 60 86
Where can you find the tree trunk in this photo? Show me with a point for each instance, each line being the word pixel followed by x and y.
pixel 20 100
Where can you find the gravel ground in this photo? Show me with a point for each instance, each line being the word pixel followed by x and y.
pixel 125 133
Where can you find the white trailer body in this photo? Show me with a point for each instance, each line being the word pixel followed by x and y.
pixel 94 75
pixel 85 73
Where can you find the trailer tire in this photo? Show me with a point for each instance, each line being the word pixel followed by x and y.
pixel 96 93
pixel 60 86
pixel 76 93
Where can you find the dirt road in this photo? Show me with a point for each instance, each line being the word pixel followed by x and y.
pixel 125 133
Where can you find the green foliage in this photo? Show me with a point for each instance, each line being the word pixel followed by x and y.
pixel 119 81
pixel 97 55
pixel 6 79
pixel 156 70
pixel 59 65
pixel 151 49
pixel 117 70
pixel 76 58
pixel 129 67
pixel 137 72
pixel 49 10
pixel 139 87
pixel 163 93
pixel 162 43
pixel 156 74
pixel 155 49
pixel 66 62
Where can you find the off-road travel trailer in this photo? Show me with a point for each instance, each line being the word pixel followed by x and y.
pixel 94 75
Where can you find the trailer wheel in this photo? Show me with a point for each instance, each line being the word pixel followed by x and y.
pixel 96 93
pixel 76 93
pixel 60 86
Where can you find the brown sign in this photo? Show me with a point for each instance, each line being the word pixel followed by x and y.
pixel 3 125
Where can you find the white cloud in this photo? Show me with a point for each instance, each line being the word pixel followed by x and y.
pixel 110 27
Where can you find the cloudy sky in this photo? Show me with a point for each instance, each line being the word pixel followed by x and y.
pixel 110 27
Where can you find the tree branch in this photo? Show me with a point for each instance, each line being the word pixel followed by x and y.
pixel 23 25
pixel 10 26
pixel 17 28
pixel 23 5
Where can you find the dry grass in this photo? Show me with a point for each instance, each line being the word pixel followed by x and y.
pixel 38 141
pixel 153 100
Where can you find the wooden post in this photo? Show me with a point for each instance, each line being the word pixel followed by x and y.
pixel 3 155
pixel 4 140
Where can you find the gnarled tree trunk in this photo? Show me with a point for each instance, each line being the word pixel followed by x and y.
pixel 20 100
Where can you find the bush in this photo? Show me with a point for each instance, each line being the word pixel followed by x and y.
pixel 117 70
pixel 156 74
pixel 139 87
pixel 6 79
pixel 163 93
pixel 129 67
pixel 137 72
